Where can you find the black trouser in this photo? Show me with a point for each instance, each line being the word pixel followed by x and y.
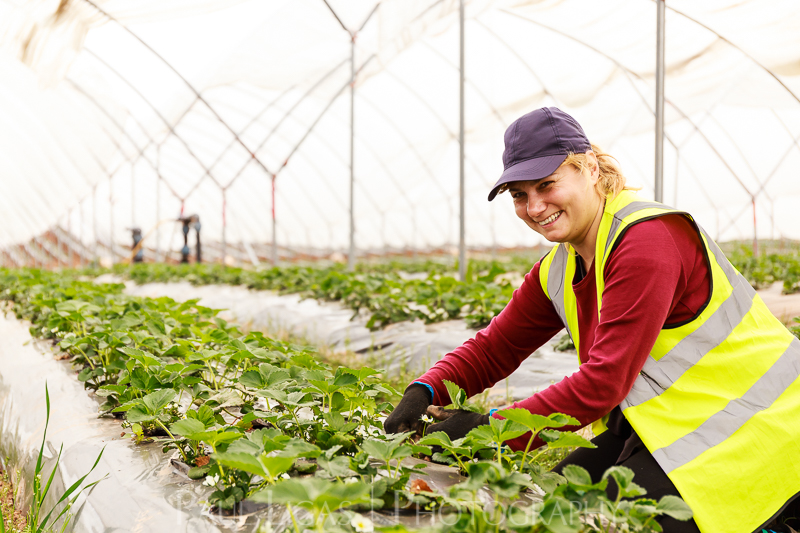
pixel 648 474
pixel 646 471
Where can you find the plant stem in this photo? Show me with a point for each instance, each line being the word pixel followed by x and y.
pixel 528 447
pixel 180 448
pixel 294 520
pixel 213 376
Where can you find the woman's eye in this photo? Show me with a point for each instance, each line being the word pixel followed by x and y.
pixel 545 184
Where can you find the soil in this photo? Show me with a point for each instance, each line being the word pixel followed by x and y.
pixel 14 519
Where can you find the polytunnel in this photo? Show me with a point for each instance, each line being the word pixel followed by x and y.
pixel 119 115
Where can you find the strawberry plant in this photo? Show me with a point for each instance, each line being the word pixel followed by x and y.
pixel 259 419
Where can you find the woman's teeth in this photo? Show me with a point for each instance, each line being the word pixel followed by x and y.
pixel 552 218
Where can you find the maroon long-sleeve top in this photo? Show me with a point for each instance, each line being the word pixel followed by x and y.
pixel 656 275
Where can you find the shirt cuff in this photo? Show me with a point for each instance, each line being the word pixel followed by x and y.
pixel 430 389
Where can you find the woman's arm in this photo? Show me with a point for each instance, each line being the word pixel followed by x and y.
pixel 646 282
pixel 527 322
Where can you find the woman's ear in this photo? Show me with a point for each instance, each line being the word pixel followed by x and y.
pixel 593 165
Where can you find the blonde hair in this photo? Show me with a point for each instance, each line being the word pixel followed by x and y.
pixel 611 181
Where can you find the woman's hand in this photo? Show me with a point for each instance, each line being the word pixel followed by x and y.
pixel 406 416
pixel 455 422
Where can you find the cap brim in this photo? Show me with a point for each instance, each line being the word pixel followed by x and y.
pixel 532 169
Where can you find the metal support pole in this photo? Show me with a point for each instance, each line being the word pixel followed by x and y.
pixel 274 227
pixel 82 255
pixel 133 196
pixel 111 219
pixel 462 248
pixel 351 256
pixel 158 219
pixel 755 235
pixel 58 241
pixel 94 225
pixel 224 227
pixel 660 33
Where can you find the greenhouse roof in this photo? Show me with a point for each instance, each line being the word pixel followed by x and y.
pixel 119 114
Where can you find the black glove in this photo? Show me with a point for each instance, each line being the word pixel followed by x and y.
pixel 406 416
pixel 455 422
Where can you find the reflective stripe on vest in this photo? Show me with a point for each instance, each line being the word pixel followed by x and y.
pixel 718 400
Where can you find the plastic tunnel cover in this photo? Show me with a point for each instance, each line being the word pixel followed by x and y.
pixel 113 116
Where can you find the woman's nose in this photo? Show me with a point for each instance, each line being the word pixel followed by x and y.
pixel 535 205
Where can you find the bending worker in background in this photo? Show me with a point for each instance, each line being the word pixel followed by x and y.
pixel 693 377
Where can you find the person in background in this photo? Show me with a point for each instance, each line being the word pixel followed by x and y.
pixel 685 376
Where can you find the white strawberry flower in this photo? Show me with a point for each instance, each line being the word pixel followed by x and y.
pixel 427 419
pixel 211 481
pixel 362 524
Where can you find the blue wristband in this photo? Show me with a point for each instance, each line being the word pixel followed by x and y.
pixel 430 389
pixel 491 412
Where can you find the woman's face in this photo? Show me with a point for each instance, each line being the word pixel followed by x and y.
pixel 561 207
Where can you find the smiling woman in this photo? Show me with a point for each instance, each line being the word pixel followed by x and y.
pixel 685 376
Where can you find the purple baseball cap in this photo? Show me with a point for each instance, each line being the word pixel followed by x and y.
pixel 537 144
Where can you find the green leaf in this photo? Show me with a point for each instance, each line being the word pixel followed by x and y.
pixel 622 475
pixel 187 426
pixel 577 475
pixel 322 386
pixel 138 413
pixel 536 423
pixel 344 379
pixel 362 373
pixel 204 414
pixel 198 472
pixel 226 398
pixel 266 467
pixel 437 438
pixel 564 439
pixel 504 430
pixel 675 507
pixel 252 379
pixel 315 493
pixel 146 359
pixel 215 438
pixel 156 401
pixel 482 434
pixel 457 394
pixel 299 448
pixel 555 516
pixel 335 420
pixel 85 374
pixel 245 445
pixel 377 449
pixel 338 466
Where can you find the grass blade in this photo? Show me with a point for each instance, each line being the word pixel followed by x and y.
pixel 44 492
pixel 70 490
pixel 69 505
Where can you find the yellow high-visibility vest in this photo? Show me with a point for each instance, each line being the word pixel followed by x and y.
pixel 718 400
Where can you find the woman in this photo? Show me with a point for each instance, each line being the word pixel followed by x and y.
pixel 685 375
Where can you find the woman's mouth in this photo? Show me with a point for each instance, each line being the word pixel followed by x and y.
pixel 552 218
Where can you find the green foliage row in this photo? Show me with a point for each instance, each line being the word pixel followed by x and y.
pixel 395 291
pixel 263 420
pixel 385 292
pixel 765 269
